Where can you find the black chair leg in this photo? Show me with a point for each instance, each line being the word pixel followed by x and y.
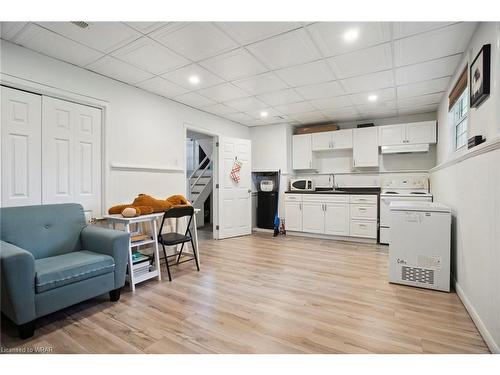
pixel 166 261
pixel 195 256
pixel 114 295
pixel 26 330
pixel 180 253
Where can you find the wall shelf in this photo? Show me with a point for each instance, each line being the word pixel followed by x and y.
pixel 144 168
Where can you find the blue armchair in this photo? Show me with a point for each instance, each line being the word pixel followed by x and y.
pixel 50 259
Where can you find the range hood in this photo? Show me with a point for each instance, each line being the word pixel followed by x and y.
pixel 405 149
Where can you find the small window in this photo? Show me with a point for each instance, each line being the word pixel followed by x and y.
pixel 459 113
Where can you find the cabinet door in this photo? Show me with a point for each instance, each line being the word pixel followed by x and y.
pixel 337 219
pixel 21 147
pixel 313 217
pixel 421 132
pixel 390 135
pixel 302 152
pixel 365 147
pixel 342 139
pixel 293 216
pixel 321 141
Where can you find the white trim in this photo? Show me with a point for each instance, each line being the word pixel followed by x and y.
pixel 488 339
pixel 144 168
pixel 332 237
pixel 484 148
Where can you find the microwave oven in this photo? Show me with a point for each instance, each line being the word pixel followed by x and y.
pixel 301 184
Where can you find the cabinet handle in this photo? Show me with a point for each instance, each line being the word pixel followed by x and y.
pixel 362 209
pixel 300 206
pixel 362 225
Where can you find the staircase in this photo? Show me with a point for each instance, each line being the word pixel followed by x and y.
pixel 200 183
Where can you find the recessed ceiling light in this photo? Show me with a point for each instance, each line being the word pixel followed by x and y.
pixel 264 114
pixel 194 79
pixel 351 35
pixel 372 98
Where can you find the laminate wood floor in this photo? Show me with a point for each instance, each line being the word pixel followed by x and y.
pixel 259 294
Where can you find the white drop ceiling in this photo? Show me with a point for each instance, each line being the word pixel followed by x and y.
pixel 296 72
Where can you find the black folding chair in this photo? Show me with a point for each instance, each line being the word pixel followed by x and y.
pixel 174 238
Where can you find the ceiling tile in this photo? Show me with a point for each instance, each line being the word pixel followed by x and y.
pixel 293 108
pixel 422 88
pixel 379 114
pixel 223 92
pixel 329 36
pixel 292 48
pixel 233 65
pixel 195 100
pixel 383 95
pixel 420 100
pixel 309 117
pixel 117 69
pixel 246 104
pixel 433 44
pixel 281 97
pixel 102 36
pixel 272 114
pixel 306 74
pixel 195 40
pixel 162 87
pixel 331 103
pixel 146 27
pixel 379 107
pixel 372 81
pixel 239 117
pixel 55 45
pixel 249 32
pixel 321 90
pixel 428 70
pixel 365 61
pixel 151 56
pixel 8 30
pixel 220 109
pixel 404 29
pixel 420 109
pixel 260 84
pixel 341 113
pixel 181 77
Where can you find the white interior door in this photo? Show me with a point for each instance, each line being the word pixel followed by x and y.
pixel 71 155
pixel 235 215
pixel 21 147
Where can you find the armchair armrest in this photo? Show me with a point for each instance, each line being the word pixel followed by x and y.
pixel 111 242
pixel 17 275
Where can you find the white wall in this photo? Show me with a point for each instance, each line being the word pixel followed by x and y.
pixel 471 188
pixel 140 128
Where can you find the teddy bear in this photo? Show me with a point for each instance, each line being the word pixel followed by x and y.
pixel 145 204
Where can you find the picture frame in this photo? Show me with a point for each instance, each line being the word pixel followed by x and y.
pixel 479 78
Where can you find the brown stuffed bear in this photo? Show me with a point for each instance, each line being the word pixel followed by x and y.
pixel 145 204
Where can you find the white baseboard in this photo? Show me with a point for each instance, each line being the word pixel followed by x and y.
pixel 332 237
pixel 488 339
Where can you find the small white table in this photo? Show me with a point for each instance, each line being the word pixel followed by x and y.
pixel 151 219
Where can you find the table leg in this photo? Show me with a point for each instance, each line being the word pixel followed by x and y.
pixel 130 262
pixel 195 239
pixel 157 253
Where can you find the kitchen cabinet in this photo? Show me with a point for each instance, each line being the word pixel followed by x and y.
pixel 408 134
pixel 337 219
pixel 302 157
pixel 365 147
pixel 293 212
pixel 333 140
pixel 313 217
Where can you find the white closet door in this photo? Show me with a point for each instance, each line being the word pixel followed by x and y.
pixel 71 155
pixel 21 141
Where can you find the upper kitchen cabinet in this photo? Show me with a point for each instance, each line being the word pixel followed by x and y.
pixel 333 140
pixel 365 147
pixel 302 157
pixel 408 134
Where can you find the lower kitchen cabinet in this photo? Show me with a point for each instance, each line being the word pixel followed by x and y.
pixel 293 216
pixel 313 217
pixel 337 219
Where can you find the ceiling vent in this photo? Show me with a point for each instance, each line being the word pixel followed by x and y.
pixel 81 24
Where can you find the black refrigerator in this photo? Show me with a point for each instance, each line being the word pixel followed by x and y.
pixel 266 208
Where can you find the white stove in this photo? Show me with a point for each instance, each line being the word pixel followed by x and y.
pixel 400 189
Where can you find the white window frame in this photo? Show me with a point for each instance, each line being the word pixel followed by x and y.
pixel 459 114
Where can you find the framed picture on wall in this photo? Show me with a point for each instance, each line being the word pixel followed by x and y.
pixel 479 82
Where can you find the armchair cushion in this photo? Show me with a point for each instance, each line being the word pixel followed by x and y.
pixel 60 270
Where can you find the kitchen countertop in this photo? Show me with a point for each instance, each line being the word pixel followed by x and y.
pixel 357 191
